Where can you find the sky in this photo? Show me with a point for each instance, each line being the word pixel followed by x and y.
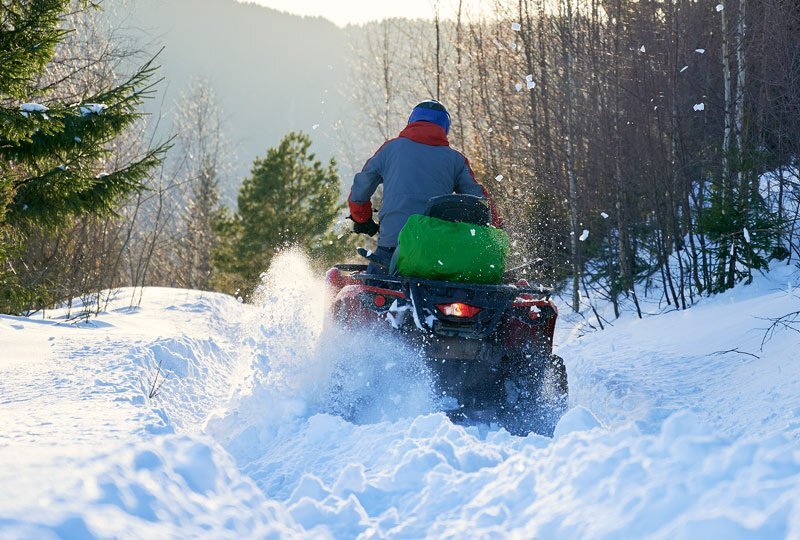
pixel 344 12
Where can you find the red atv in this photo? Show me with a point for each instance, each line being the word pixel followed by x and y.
pixel 489 347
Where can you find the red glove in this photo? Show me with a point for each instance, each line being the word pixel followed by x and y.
pixel 360 212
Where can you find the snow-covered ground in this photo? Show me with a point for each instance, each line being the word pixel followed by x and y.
pixel 681 426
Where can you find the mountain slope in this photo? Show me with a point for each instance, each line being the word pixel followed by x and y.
pixel 272 72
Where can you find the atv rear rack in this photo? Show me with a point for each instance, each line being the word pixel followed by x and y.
pixel 426 295
pixel 407 282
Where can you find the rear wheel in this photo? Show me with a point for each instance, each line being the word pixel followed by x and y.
pixel 535 395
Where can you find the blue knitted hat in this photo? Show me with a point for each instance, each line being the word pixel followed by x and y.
pixel 431 111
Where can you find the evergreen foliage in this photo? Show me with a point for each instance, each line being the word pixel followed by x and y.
pixel 745 236
pixel 55 156
pixel 290 199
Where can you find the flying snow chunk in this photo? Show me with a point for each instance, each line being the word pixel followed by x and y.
pixel 642 49
pixel 531 85
pixel 684 68
pixel 499 177
pixel 603 215
pixel 516 27
pixel 746 235
pixel 512 45
pixel 700 51
pixel 720 7
pixel 93 108
pixel 518 86
pixel 315 126
pixel 472 232
pixel 529 78
pixel 584 235
pixel 102 175
pixel 699 107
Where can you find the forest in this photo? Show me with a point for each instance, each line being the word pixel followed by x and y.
pixel 630 144
pixel 633 146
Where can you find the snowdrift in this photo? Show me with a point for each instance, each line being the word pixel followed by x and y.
pixel 195 416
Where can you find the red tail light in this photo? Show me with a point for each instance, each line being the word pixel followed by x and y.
pixel 458 309
pixel 379 300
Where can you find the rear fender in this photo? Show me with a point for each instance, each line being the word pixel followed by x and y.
pixel 530 325
pixel 361 304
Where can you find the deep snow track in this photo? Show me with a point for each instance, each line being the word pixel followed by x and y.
pixel 670 435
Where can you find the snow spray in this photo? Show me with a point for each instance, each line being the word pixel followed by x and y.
pixel 295 362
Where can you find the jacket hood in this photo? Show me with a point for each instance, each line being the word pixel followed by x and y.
pixel 425 133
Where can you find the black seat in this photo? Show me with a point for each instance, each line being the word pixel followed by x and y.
pixel 460 208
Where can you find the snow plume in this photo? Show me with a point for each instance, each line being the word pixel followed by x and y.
pixel 296 363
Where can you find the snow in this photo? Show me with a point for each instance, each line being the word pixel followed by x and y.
pixel 746 235
pixel 584 235
pixel 720 7
pixel 684 68
pixel 499 177
pixel 681 426
pixel 603 215
pixel 516 27
pixel 642 49
pixel 529 82
pixel 27 108
pixel 33 107
pixel 699 106
pixel 700 51
pixel 518 87
pixel 93 108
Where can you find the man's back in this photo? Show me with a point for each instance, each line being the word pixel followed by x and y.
pixel 413 168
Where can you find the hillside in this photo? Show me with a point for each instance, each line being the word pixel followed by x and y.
pixel 271 71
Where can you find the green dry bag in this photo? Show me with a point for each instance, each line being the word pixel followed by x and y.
pixel 432 248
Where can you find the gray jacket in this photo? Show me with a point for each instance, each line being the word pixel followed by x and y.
pixel 414 167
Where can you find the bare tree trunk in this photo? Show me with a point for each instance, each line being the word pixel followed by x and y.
pixel 572 197
pixel 726 139
pixel 459 75
pixel 387 82
pixel 738 115
pixel 437 25
pixel 740 79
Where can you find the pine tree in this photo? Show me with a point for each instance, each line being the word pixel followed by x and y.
pixel 289 199
pixel 54 155
pixel 202 150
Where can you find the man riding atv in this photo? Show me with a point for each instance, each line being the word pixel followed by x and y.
pixel 438 281
pixel 413 168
